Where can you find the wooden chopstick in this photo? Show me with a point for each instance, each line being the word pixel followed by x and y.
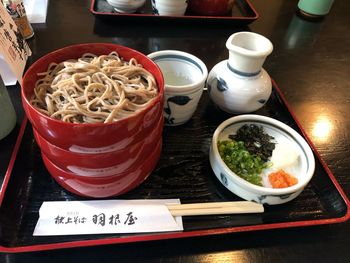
pixel 215 208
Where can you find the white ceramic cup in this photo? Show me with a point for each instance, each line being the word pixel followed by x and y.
pixel 184 76
pixel 169 7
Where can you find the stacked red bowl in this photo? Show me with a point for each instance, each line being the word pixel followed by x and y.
pixel 101 159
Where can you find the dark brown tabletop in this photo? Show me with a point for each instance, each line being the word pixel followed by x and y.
pixel 310 63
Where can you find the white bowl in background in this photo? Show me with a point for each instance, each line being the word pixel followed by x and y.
pixel 126 6
pixel 303 170
pixel 169 7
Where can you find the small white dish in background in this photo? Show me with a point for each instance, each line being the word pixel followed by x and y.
pixel 169 7
pixel 184 76
pixel 303 169
pixel 126 6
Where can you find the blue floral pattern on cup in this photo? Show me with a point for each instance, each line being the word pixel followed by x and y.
pixel 154 9
pixel 178 100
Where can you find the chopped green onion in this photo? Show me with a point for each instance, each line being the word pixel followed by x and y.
pixel 246 165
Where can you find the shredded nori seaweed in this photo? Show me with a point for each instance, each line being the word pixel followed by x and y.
pixel 255 140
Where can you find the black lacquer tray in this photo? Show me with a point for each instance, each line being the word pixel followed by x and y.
pixel 242 13
pixel 183 171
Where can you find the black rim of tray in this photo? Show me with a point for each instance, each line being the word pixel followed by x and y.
pixel 243 13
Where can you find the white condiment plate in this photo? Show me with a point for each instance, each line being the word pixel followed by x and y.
pixel 302 169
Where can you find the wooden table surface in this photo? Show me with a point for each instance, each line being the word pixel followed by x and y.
pixel 311 64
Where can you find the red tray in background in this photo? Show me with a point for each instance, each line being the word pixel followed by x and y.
pixel 183 171
pixel 243 13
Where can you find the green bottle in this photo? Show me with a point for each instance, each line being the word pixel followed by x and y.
pixel 315 7
pixel 7 112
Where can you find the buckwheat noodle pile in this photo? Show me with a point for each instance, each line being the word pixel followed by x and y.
pixel 94 89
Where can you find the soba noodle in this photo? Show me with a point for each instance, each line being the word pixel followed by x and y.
pixel 94 89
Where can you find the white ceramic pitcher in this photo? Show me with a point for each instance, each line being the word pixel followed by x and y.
pixel 240 84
